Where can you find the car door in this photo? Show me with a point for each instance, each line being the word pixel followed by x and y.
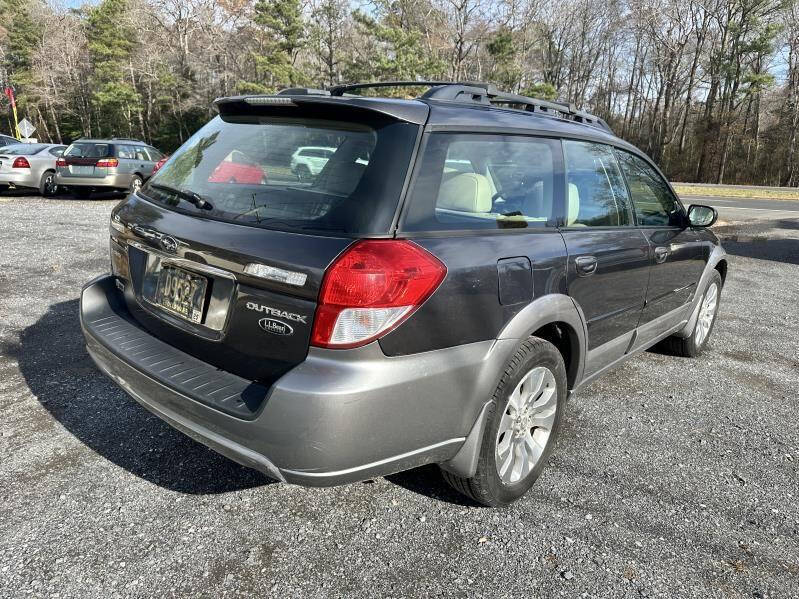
pixel 676 257
pixel 608 257
pixel 142 163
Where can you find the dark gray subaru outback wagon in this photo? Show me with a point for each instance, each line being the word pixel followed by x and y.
pixel 458 266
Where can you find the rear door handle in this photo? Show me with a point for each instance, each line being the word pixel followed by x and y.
pixel 586 265
pixel 661 253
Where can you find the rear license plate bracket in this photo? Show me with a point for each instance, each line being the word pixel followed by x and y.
pixel 181 292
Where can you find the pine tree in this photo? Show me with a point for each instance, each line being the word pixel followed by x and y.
pixel 112 41
pixel 283 31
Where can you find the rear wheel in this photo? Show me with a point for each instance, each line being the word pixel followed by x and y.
pixel 82 192
pixel 693 345
pixel 303 173
pixel 47 186
pixel 523 425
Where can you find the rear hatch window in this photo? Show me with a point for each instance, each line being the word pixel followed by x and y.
pixel 257 170
pixel 89 150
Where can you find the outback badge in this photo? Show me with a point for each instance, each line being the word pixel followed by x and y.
pixel 276 327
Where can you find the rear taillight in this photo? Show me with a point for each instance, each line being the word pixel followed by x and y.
pixel 370 289
pixel 108 162
pixel 21 162
pixel 61 162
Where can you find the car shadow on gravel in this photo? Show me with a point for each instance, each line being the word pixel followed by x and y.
pixel 775 250
pixel 427 481
pixel 53 360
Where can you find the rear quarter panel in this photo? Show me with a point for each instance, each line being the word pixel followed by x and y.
pixel 466 307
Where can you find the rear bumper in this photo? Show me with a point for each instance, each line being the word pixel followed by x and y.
pixel 119 181
pixel 19 179
pixel 340 416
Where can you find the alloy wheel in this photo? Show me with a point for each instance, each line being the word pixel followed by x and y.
pixel 706 313
pixel 526 425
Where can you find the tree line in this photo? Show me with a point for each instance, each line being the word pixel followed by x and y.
pixel 708 88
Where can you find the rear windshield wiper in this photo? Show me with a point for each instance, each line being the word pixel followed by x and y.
pixel 191 196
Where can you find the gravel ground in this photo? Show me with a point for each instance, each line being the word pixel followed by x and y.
pixel 673 477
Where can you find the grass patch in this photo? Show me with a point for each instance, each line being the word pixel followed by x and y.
pixel 732 191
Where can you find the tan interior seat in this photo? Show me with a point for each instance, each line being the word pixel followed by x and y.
pixel 573 206
pixel 467 192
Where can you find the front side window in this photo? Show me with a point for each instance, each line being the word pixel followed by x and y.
pixel 595 191
pixel 242 166
pixel 655 204
pixel 475 181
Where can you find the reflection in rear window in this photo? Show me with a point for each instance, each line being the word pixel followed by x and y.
pixel 246 168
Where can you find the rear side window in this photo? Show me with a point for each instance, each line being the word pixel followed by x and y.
pixel 655 204
pixel 89 150
pixel 242 166
pixel 595 191
pixel 128 152
pixel 471 181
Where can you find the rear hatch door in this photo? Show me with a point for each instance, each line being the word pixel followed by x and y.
pixel 230 271
pixel 82 159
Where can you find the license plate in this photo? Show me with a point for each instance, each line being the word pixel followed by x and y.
pixel 81 170
pixel 181 292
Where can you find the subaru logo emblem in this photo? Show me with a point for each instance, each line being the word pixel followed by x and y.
pixel 276 327
pixel 169 243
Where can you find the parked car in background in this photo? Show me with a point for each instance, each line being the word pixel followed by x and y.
pixel 237 167
pixel 106 164
pixel 308 161
pixel 7 140
pixel 30 166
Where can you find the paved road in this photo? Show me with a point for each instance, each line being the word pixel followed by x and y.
pixel 733 209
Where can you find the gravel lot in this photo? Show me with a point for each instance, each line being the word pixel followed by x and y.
pixel 673 477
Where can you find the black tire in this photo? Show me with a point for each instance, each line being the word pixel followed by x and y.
pixel 691 346
pixel 82 192
pixel 303 173
pixel 486 486
pixel 135 184
pixel 47 186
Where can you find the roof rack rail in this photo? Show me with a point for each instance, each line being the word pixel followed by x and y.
pixel 303 91
pixel 127 139
pixel 460 92
pixel 340 90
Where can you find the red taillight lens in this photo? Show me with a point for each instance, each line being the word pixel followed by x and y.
pixel 21 162
pixel 370 289
pixel 61 162
pixel 108 162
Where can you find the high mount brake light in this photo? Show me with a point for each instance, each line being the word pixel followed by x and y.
pixel 108 162
pixel 370 289
pixel 21 162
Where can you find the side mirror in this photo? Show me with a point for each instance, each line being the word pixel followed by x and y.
pixel 701 216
